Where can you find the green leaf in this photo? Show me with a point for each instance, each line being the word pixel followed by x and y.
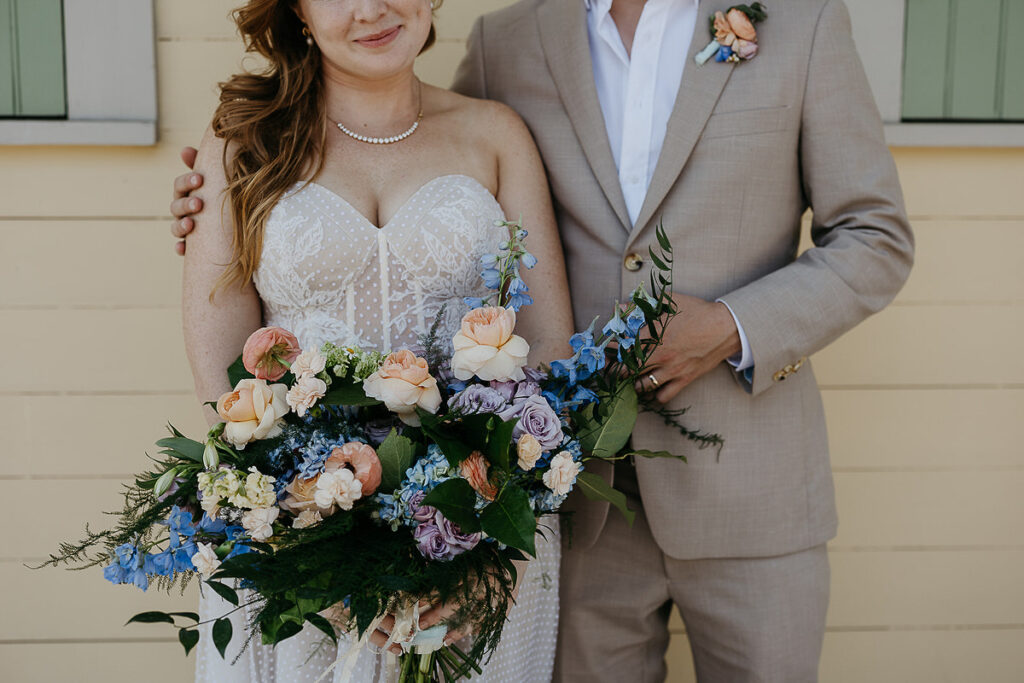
pixel 611 426
pixel 151 618
pixel 662 236
pixel 510 520
pixel 456 500
pixel 659 264
pixel 287 630
pixel 500 442
pixel 223 591
pixel 396 454
pixel 453 448
pixel 222 630
pixel 237 372
pixel 657 454
pixel 188 639
pixel 322 624
pixel 595 487
pixel 348 394
pixel 183 448
pixel 187 615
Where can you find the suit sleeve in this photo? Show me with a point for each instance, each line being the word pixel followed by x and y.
pixel 863 245
pixel 470 77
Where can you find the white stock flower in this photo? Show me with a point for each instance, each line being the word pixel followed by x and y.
pixel 309 363
pixel 339 488
pixel 562 475
pixel 305 393
pixel 259 522
pixel 205 561
pixel 307 518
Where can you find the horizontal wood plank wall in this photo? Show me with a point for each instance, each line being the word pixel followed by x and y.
pixel 924 400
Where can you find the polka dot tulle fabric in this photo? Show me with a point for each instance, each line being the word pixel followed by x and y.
pixel 328 274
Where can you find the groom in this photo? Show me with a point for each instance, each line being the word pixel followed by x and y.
pixel 727 156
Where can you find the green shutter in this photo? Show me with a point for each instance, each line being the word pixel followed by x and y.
pixel 963 60
pixel 32 58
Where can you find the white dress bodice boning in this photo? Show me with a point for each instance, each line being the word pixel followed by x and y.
pixel 327 273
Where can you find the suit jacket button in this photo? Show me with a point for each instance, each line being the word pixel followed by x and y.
pixel 633 262
pixel 779 376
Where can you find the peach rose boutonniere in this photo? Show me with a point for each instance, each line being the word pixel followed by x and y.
pixel 252 411
pixel 733 36
pixel 403 382
pixel 486 347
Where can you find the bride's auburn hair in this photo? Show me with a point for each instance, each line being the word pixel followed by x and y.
pixel 273 123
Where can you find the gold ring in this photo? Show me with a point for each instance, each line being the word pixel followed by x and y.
pixel 654 380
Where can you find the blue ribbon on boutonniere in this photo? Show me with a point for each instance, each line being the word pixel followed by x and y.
pixel 733 36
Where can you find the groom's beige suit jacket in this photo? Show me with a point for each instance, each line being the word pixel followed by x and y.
pixel 749 147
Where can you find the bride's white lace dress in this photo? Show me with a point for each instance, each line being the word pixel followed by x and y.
pixel 328 274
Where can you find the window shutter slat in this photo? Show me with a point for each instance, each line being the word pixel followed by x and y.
pixel 39 34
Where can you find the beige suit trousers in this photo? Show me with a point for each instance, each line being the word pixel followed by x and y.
pixel 748 620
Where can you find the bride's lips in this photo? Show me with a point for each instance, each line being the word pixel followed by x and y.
pixel 379 39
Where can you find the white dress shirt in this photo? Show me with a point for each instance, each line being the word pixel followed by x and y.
pixel 637 91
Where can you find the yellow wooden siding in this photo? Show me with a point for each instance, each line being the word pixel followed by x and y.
pixel 924 400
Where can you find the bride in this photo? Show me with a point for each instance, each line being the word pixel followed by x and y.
pixel 348 202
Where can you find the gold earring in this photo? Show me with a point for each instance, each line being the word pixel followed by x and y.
pixel 309 35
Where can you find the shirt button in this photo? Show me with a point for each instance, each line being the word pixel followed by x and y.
pixel 633 262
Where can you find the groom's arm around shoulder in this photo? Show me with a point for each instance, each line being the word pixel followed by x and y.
pixel 863 243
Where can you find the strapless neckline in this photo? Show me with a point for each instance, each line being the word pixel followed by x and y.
pixel 468 179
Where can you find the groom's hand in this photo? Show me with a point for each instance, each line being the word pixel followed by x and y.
pixel 183 206
pixel 700 337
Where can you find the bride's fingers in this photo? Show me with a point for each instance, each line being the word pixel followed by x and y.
pixel 454 637
pixel 434 616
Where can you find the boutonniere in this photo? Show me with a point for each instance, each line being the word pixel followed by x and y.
pixel 733 36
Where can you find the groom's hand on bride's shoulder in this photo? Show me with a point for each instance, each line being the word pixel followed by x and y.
pixel 702 335
pixel 183 207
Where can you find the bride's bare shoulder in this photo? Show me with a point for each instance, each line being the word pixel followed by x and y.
pixel 484 120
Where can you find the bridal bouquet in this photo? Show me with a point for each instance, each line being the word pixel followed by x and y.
pixel 344 484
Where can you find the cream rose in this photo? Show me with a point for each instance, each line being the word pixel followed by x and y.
pixel 305 393
pixel 300 494
pixel 486 347
pixel 205 561
pixel 529 451
pixel 252 411
pixel 309 363
pixel 562 475
pixel 307 518
pixel 403 383
pixel 339 488
pixel 260 522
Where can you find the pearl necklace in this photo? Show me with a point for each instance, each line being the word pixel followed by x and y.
pixel 381 141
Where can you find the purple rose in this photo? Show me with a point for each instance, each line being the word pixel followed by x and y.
pixel 420 513
pixel 431 543
pixel 537 419
pixel 535 375
pixel 512 391
pixel 477 398
pixel 457 541
pixel 745 49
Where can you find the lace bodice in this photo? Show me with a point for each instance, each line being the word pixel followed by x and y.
pixel 328 274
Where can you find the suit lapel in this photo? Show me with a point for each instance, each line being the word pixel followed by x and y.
pixel 563 35
pixel 698 93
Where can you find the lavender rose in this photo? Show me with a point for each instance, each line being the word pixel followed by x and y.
pixel 458 542
pixel 537 419
pixel 418 512
pixel 513 391
pixel 477 398
pixel 431 543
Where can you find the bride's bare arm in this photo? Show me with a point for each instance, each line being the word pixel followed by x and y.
pixel 523 192
pixel 216 329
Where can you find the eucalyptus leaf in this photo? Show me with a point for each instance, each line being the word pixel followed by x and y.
pixel 595 487
pixel 614 423
pixel 510 519
pixel 224 591
pixel 151 618
pixel 456 500
pixel 188 639
pixel 396 455
pixel 222 631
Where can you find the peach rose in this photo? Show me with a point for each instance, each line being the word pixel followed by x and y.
pixel 723 31
pixel 269 351
pixel 474 470
pixel 741 25
pixel 403 383
pixel 486 347
pixel 362 460
pixel 529 451
pixel 299 496
pixel 252 411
